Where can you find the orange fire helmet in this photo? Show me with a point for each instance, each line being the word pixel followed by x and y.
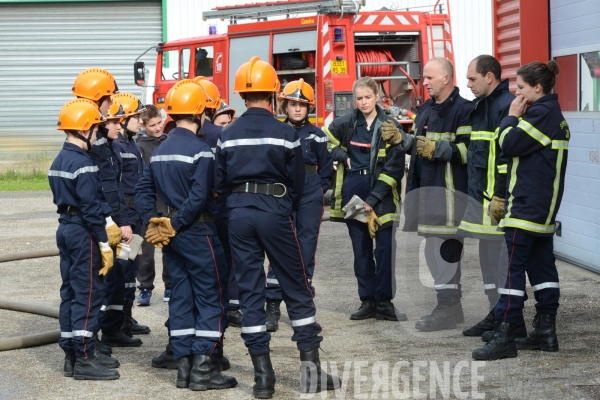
pixel 186 97
pixel 131 103
pixel 211 90
pixel 299 91
pixel 79 115
pixel 224 108
pixel 94 83
pixel 256 76
pixel 116 111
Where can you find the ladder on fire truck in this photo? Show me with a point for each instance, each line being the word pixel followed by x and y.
pixel 272 8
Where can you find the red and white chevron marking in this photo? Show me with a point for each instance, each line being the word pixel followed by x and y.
pixel 384 19
pixel 328 116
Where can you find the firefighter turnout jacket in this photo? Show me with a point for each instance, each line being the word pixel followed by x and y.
pixel 386 166
pixel 434 205
pixel 486 165
pixel 537 147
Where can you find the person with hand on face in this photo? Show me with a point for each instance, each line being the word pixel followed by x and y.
pixel 83 239
pixel 296 101
pixel 486 169
pixel 180 173
pixel 370 147
pixel 534 134
pixel 437 186
pixel 133 166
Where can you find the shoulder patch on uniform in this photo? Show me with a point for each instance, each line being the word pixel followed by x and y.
pixel 329 147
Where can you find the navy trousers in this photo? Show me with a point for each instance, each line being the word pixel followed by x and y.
pixel 307 220
pixel 493 263
pixel 81 290
pixel 199 297
pixel 443 260
pixel 223 234
pixel 373 268
pixel 131 268
pixel 532 255
pixel 112 315
pixel 253 233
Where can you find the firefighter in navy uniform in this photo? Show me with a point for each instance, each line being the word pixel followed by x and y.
pixel 180 172
pixel 371 168
pixel 133 166
pixel 296 99
pixel 486 167
pixel 437 170
pixel 260 171
pixel 84 238
pixel 535 138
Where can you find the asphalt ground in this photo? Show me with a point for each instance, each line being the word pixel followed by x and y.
pixel 376 359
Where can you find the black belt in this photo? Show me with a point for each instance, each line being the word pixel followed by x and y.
pixel 357 172
pixel 129 202
pixel 270 189
pixel 72 211
pixel 311 169
pixel 203 217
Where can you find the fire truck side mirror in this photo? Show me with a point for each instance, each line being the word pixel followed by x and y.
pixel 139 73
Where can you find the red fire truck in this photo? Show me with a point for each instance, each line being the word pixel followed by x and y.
pixel 329 49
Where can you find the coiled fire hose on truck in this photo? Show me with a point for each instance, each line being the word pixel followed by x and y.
pixel 37 339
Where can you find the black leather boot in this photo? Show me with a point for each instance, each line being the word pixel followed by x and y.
pixel 386 310
pixel 543 336
pixel 103 348
pixel 204 377
pixel 107 361
pixel 130 325
pixel 165 359
pixel 220 362
pixel 89 368
pixel 69 366
pixel 264 376
pixel 486 324
pixel 502 344
pixel 459 315
pixel 184 366
pixel 235 318
pixel 273 315
pixel 367 310
pixel 119 339
pixel 520 330
pixel 441 318
pixel 311 374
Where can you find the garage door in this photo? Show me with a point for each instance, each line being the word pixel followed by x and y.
pixel 44 46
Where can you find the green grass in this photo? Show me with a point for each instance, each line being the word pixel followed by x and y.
pixel 13 181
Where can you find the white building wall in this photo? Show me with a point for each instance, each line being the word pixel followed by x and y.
pixel 574 29
pixel 471 25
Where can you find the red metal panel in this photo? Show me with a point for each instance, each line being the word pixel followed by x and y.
pixel 520 34
pixel 566 82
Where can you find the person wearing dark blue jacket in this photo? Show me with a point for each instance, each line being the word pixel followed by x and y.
pixel 84 238
pixel 296 100
pixel 180 173
pixel 133 166
pixel 535 137
pixel 260 171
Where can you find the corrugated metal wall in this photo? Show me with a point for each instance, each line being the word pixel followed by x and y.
pixel 471 24
pixel 574 30
pixel 43 48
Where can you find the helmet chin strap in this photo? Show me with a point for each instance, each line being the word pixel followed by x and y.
pixel 296 125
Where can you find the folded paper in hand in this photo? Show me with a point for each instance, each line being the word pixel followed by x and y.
pixel 355 209
pixel 136 246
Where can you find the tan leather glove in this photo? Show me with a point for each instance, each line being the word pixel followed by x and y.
pixel 390 133
pixel 373 223
pixel 163 233
pixel 425 147
pixel 113 231
pixel 153 236
pixel 496 208
pixel 107 258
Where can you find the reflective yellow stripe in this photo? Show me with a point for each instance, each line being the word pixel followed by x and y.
pixel 381 153
pixel 560 145
pixel 336 210
pixel 391 217
pixel 496 133
pixel 482 135
pixel 527 225
pixel 449 195
pixel 502 169
pixel 435 136
pixel 503 135
pixel 435 229
pixel 533 132
pixel 332 139
pixel 491 181
pixel 477 228
pixel 462 149
pixel 388 179
pixel 559 159
pixel 511 185
pixel 463 130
